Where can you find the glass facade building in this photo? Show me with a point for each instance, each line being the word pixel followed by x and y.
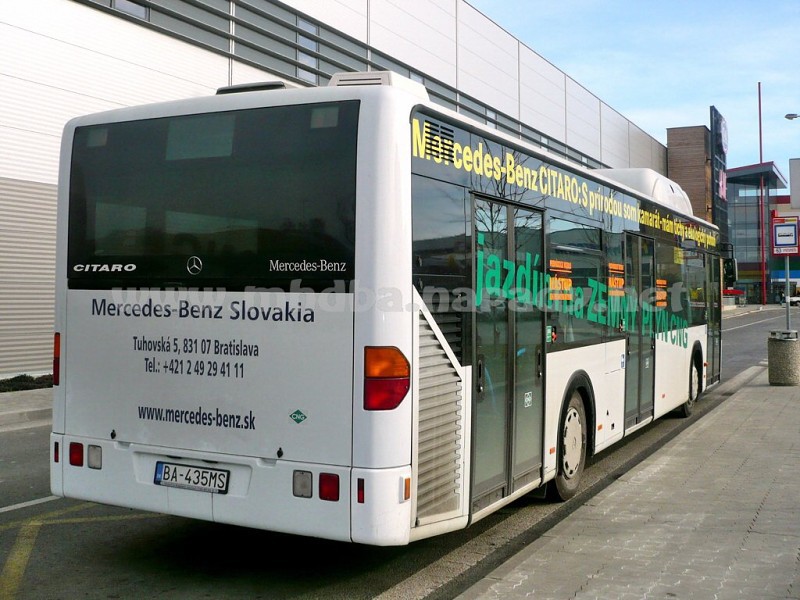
pixel 750 190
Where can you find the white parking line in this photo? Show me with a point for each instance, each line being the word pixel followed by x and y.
pixel 27 504
pixel 748 324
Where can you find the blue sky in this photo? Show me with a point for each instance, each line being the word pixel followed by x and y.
pixel 663 64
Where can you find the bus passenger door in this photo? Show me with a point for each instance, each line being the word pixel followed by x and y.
pixel 640 352
pixel 508 362
pixel 714 317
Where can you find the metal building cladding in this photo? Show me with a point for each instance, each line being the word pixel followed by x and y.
pixel 71 57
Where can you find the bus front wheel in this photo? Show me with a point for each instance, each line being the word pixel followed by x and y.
pixel 571 448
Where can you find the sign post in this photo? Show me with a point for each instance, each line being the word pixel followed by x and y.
pixel 785 243
pixel 783 347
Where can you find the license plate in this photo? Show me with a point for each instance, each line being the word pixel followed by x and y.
pixel 202 479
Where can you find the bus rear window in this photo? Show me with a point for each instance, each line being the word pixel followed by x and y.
pixel 262 197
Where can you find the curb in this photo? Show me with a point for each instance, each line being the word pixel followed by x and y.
pixel 26 408
pixel 25 416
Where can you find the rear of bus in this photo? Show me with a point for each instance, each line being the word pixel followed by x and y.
pixel 210 361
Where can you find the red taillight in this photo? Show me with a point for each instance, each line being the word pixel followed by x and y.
pixel 76 454
pixel 387 377
pixel 56 457
pixel 329 487
pixel 384 394
pixel 56 357
pixel 360 490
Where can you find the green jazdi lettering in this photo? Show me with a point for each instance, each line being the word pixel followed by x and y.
pixel 525 283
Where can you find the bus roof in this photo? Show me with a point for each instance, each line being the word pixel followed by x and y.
pixel 653 184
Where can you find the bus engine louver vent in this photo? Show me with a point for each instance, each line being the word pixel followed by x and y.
pixel 439 141
pixel 440 422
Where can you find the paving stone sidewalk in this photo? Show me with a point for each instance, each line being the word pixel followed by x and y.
pixel 713 514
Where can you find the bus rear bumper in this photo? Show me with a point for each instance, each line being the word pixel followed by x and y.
pixel 56 464
pixel 382 506
pixel 259 493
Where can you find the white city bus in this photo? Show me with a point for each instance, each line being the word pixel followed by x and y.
pixel 345 312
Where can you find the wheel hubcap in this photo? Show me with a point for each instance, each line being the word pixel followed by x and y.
pixel 573 442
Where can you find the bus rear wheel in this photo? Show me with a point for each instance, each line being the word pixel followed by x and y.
pixel 571 448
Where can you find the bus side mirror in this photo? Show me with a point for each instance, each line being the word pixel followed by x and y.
pixel 730 271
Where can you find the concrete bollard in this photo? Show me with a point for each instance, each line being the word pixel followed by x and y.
pixel 783 356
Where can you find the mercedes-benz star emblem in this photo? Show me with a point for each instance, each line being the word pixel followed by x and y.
pixel 194 265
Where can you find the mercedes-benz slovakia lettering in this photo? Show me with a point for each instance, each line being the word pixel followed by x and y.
pixel 348 313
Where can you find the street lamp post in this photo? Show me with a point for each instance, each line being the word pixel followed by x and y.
pixel 791 117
